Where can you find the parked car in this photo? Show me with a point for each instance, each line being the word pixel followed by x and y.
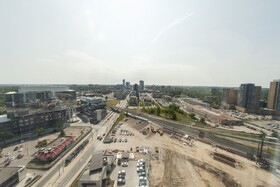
pixel 20 150
pixel 123 172
pixel 140 164
pixel 124 164
pixel 7 160
pixel 7 154
pixel 140 169
pixel 16 148
pixel 19 156
pixel 7 163
pixel 143 174
pixel 142 182
pixel 13 158
pixel 142 178
pixel 121 181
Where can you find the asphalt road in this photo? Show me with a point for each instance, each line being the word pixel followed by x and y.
pixel 59 175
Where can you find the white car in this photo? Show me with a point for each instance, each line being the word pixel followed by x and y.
pixel 7 154
pixel 122 172
pixel 13 158
pixel 20 150
pixel 140 169
pixel 142 178
pixel 141 160
pixel 140 164
pixel 124 164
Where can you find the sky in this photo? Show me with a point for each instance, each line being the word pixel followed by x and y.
pixel 188 42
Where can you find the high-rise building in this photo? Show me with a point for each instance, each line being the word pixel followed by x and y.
pixel 229 98
pixel 123 82
pixel 249 96
pixel 141 85
pixel 273 101
pixel 127 85
pixel 136 89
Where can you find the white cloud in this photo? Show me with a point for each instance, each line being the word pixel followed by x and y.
pixel 101 36
pixel 172 24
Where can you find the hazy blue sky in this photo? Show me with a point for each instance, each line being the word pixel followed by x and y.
pixel 213 42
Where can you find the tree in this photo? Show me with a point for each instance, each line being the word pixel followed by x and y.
pixel 275 134
pixel 158 111
pixel 62 133
pixel 5 135
pixel 58 125
pixel 174 116
pixel 192 115
pixel 202 120
pixel 106 97
pixel 40 131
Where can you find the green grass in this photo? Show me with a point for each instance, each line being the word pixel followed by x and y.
pixel 256 137
pixel 184 118
pixel 120 118
pixel 112 102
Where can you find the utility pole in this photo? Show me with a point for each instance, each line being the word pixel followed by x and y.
pixel 260 160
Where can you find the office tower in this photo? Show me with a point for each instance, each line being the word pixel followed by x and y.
pixel 127 85
pixel 136 89
pixel 230 96
pixel 249 96
pixel 123 82
pixel 273 100
pixel 141 85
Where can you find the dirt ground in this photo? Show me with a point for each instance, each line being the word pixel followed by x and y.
pixel 182 165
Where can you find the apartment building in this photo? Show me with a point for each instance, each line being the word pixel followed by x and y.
pixel 273 101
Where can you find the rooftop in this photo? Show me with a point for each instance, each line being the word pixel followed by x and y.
pixel 36 88
pixel 92 176
pixel 7 172
pixel 4 118
pixel 96 161
pixel 11 92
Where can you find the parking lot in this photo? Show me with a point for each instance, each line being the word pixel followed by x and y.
pixel 28 147
pixel 128 138
pixel 132 176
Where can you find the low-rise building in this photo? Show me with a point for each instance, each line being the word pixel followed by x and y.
pixel 11 176
pixel 121 95
pixel 97 173
pixel 36 107
pixel 214 115
pixel 98 115
pixel 133 101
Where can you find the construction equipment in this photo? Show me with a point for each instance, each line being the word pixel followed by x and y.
pixel 153 130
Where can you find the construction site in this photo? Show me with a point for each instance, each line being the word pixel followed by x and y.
pixel 181 160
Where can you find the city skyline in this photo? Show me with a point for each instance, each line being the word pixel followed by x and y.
pixel 190 43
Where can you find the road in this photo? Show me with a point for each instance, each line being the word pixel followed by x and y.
pixel 59 175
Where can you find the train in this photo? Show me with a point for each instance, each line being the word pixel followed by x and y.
pixel 69 159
